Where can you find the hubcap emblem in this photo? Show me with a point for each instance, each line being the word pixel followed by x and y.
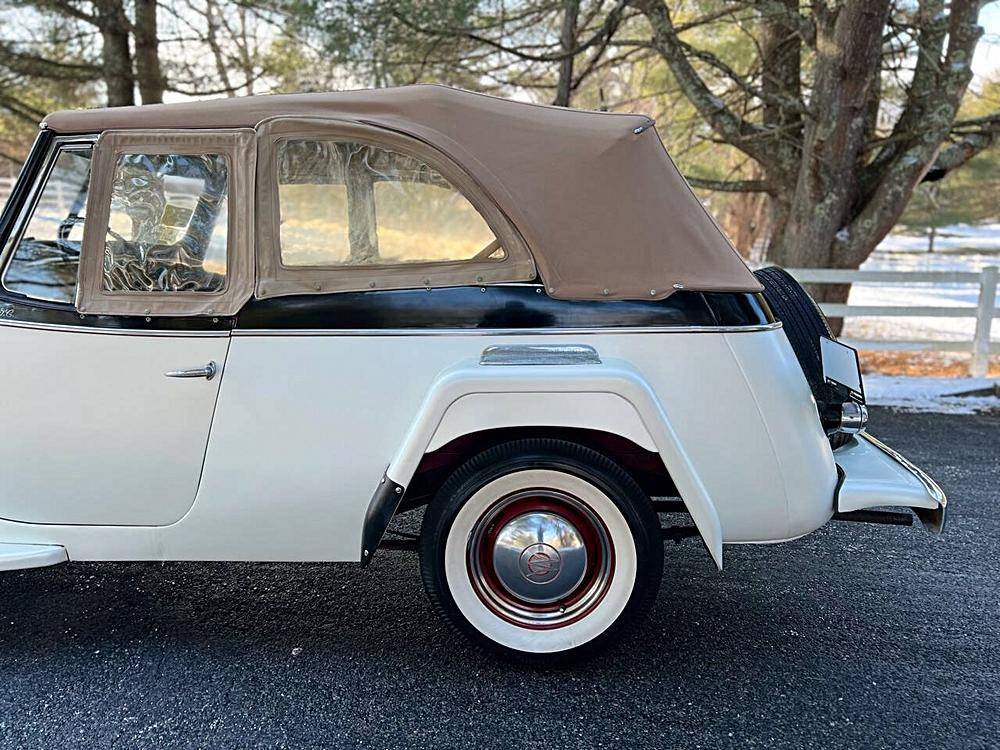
pixel 540 563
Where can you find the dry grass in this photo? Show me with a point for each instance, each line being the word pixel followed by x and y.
pixel 921 364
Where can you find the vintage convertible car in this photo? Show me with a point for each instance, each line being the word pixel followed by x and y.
pixel 262 328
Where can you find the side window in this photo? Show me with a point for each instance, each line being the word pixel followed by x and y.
pixel 46 259
pixel 345 203
pixel 168 224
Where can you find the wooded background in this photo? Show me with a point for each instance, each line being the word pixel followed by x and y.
pixel 808 127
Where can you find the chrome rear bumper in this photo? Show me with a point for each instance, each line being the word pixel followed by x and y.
pixel 874 475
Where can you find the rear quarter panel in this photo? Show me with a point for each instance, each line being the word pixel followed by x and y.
pixel 306 426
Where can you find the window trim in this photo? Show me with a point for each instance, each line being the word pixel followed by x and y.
pixel 275 279
pixel 238 147
pixel 27 209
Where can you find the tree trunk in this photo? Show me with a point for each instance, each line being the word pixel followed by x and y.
pixel 147 56
pixel 567 42
pixel 781 73
pixel 849 44
pixel 116 58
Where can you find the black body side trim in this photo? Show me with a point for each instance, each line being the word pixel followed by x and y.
pixel 381 509
pixel 502 306
pixel 15 308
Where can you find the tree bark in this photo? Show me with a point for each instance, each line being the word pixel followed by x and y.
pixel 781 64
pixel 147 55
pixel 567 43
pixel 116 57
pixel 849 45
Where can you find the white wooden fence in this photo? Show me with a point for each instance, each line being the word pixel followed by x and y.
pixel 984 311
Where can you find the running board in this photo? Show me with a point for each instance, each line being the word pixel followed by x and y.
pixel 23 556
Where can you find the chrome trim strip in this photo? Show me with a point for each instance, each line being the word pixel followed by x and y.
pixel 933 520
pixel 393 331
pixel 111 331
pixel 499 331
pixel 540 354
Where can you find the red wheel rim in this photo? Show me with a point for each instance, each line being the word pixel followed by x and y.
pixel 565 559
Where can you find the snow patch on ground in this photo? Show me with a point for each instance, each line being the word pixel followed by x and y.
pixel 930 394
pixel 952 238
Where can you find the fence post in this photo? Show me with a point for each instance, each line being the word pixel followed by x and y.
pixel 984 321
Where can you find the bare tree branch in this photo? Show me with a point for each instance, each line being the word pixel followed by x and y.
pixel 977 135
pixel 34 65
pixel 20 109
pixel 611 22
pixel 734 129
pixel 730 186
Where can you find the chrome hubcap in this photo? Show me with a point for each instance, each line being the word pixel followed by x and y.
pixel 540 558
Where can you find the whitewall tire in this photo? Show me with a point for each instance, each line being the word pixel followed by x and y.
pixel 541 550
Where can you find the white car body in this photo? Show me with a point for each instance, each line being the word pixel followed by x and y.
pixel 287 320
pixel 277 456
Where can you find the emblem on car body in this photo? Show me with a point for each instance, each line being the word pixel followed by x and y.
pixel 6 311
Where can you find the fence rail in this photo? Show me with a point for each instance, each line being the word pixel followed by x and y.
pixel 984 311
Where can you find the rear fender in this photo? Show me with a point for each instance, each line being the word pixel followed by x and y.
pixel 611 396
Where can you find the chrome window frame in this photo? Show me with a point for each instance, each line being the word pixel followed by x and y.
pixel 20 224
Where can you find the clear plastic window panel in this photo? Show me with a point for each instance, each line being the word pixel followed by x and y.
pixel 344 203
pixel 46 260
pixel 168 225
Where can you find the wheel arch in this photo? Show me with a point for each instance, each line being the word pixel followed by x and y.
pixel 645 466
pixel 609 398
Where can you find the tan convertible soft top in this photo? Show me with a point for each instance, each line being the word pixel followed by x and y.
pixel 599 203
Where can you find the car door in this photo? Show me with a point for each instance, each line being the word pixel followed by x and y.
pixel 106 417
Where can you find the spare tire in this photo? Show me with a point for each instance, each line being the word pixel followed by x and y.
pixel 804 324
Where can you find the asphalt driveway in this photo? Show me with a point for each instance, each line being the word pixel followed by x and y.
pixel 856 636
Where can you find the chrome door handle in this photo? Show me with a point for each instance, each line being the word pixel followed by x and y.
pixel 208 372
